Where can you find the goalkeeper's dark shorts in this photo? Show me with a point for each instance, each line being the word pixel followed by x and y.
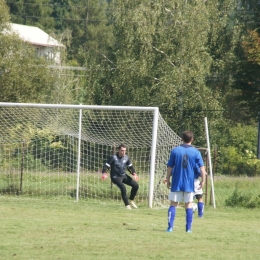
pixel 120 183
pixel 198 196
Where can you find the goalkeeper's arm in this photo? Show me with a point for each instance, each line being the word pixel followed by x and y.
pixel 106 167
pixel 131 169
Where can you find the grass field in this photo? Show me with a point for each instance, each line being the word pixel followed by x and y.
pixel 45 229
pixel 62 185
pixel 226 185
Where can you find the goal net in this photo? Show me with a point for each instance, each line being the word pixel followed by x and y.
pixel 59 150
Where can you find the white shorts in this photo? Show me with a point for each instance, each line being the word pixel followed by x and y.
pixel 180 196
pixel 197 186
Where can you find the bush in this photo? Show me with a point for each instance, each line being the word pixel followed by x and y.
pixel 237 156
pixel 239 199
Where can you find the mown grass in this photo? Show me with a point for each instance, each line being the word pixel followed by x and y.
pixel 45 229
pixel 58 184
pixel 225 186
pixel 63 185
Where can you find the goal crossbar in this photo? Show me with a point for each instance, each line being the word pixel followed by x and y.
pixel 64 106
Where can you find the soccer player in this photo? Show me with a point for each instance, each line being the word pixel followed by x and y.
pixel 183 159
pixel 118 164
pixel 199 192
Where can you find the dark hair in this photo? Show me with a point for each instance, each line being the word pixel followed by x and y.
pixel 120 146
pixel 187 136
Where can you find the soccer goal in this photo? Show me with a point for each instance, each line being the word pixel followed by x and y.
pixel 59 150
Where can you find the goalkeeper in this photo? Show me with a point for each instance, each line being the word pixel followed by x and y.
pixel 118 164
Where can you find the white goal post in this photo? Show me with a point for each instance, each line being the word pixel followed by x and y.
pixel 209 161
pixel 59 150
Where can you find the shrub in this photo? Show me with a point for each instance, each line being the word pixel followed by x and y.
pixel 237 156
pixel 240 199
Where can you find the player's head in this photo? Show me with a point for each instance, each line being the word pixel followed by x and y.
pixel 187 136
pixel 121 150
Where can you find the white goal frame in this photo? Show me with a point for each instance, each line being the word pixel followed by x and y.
pixel 161 139
pixel 80 107
pixel 209 161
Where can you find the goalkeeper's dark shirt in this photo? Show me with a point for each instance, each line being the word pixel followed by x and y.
pixel 118 166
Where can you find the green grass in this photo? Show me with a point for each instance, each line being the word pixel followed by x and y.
pixel 62 185
pixel 224 187
pixel 45 229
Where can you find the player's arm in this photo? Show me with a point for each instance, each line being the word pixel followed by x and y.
pixel 131 169
pixel 203 176
pixel 169 173
pixel 202 170
pixel 170 165
pixel 106 167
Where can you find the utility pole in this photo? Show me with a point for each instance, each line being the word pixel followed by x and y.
pixel 258 141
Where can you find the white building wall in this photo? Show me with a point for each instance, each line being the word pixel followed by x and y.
pixel 45 45
pixel 50 53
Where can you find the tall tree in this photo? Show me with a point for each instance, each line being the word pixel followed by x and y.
pixel 231 21
pixel 24 76
pixel 223 41
pixel 248 76
pixel 4 17
pixel 160 59
pixel 88 23
pixel 247 80
pixel 32 12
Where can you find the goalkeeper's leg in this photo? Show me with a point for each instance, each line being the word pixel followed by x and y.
pixel 135 186
pixel 118 181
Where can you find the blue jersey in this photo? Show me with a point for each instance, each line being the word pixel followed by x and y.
pixel 196 172
pixel 184 159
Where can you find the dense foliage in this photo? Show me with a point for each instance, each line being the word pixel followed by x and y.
pixel 192 59
pixel 24 77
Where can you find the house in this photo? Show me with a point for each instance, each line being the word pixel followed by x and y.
pixel 44 44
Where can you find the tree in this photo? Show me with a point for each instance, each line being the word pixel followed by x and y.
pixel 87 20
pixel 32 12
pixel 67 87
pixel 248 75
pixel 4 17
pixel 24 76
pixel 231 71
pixel 223 42
pixel 160 59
